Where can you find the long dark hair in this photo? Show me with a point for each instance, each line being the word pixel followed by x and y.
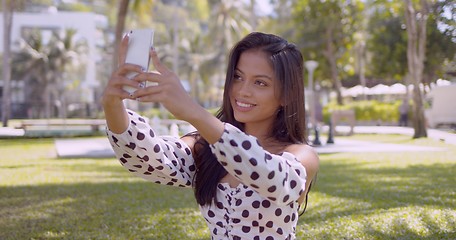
pixel 288 127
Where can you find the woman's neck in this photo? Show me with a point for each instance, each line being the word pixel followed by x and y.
pixel 266 140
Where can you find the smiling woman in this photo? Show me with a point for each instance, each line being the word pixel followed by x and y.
pixel 253 96
pixel 250 166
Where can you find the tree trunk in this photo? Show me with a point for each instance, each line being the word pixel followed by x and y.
pixel 47 102
pixel 361 60
pixel 120 25
pixel 8 7
pixel 416 43
pixel 330 55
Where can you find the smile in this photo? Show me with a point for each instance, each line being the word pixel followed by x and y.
pixel 245 105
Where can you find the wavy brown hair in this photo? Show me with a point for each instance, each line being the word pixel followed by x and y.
pixel 288 127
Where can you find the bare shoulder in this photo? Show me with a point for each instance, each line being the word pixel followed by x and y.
pixel 190 140
pixel 307 156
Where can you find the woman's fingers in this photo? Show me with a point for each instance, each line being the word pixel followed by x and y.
pixel 127 68
pixel 157 63
pixel 149 94
pixel 118 92
pixel 123 49
pixel 153 78
pixel 118 82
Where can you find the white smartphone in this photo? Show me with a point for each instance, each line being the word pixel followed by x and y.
pixel 139 43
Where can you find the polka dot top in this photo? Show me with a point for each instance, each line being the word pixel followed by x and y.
pixel 263 206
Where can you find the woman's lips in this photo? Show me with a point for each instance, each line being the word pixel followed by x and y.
pixel 243 106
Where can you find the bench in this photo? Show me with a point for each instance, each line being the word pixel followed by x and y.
pixel 339 116
pixel 72 127
pixel 61 126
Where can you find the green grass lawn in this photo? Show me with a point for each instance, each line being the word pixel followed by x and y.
pixel 407 195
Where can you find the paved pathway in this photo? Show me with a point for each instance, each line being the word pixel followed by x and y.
pixel 100 147
pixel 349 145
pixel 83 148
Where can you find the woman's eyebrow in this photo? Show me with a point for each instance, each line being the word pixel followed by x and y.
pixel 258 76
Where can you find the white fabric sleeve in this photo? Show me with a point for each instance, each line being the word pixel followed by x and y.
pixel 164 160
pixel 280 178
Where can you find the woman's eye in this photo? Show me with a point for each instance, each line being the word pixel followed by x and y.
pixel 260 83
pixel 237 77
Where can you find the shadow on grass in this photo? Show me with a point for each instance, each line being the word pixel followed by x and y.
pixel 121 210
pixel 407 233
pixel 416 184
pixel 363 193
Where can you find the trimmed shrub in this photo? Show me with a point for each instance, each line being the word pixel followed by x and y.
pixel 367 111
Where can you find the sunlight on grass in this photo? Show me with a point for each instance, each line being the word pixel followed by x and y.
pixel 392 195
pixel 403 195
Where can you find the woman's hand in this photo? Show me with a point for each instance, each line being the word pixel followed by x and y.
pixel 113 94
pixel 165 87
pixel 169 91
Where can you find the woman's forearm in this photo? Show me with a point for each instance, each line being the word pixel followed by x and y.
pixel 208 126
pixel 117 119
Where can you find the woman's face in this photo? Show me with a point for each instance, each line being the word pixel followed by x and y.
pixel 253 95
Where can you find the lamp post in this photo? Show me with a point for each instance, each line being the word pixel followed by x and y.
pixel 311 65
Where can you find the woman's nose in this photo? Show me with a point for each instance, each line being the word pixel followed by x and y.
pixel 245 89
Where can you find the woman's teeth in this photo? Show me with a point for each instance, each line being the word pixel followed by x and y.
pixel 241 104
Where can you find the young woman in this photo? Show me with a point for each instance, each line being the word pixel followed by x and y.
pixel 250 166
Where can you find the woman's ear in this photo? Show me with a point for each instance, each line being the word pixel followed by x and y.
pixel 283 102
pixel 280 109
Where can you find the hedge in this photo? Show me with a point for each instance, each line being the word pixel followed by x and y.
pixel 367 111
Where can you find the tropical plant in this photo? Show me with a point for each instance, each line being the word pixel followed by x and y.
pixel 229 21
pixel 387 44
pixel 46 67
pixel 324 31
pixel 139 7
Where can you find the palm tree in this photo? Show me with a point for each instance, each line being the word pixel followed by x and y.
pixel 231 21
pixel 122 12
pixel 44 67
pixel 195 59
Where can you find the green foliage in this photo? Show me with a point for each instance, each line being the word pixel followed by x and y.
pixel 388 41
pixel 199 9
pixel 440 47
pixel 323 25
pixel 388 46
pixel 367 111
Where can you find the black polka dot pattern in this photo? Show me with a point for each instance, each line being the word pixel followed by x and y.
pixel 241 213
pixel 271 186
pixel 263 206
pixel 165 160
pixel 279 178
